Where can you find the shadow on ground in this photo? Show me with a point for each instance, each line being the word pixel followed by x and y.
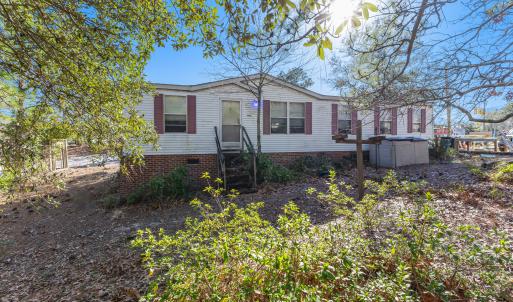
pixel 73 249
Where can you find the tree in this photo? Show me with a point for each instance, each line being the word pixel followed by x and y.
pixel 296 76
pixel 254 63
pixel 410 52
pixel 81 62
pixel 78 65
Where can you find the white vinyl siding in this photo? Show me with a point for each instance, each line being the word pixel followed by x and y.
pixel 208 114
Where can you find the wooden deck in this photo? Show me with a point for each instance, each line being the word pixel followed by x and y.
pixel 479 145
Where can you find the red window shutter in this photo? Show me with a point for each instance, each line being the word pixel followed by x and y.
pixel 158 113
pixel 191 114
pixel 423 120
pixel 354 120
pixel 393 112
pixel 410 120
pixel 376 120
pixel 308 118
pixel 267 117
pixel 334 118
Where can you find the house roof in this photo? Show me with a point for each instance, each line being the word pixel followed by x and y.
pixel 239 81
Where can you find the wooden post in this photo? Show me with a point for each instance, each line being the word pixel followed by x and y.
pixel 359 160
pixel 495 145
pixel 359 141
pixel 65 154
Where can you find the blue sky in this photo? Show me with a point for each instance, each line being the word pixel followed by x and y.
pixel 189 67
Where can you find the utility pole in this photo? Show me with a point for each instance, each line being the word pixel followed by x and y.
pixel 359 160
pixel 484 116
pixel 449 107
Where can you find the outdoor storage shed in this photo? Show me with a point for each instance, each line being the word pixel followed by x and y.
pixel 398 152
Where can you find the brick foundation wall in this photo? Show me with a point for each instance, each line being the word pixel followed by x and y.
pixel 155 165
pixel 286 158
pixel 196 164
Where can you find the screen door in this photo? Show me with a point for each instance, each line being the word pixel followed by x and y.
pixel 230 124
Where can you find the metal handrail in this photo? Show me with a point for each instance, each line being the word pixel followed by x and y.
pixel 220 159
pixel 246 140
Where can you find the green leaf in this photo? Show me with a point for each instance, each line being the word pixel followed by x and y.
pixel 327 44
pixel 291 4
pixel 355 21
pixel 370 6
pixel 320 52
pixel 365 12
pixel 311 42
pixel 341 27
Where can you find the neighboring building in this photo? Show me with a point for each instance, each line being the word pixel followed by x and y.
pixel 295 122
pixel 457 131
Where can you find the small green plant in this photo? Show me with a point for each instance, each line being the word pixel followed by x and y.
pixel 503 173
pixel 377 252
pixel 268 171
pixel 477 171
pixel 161 188
pixel 318 165
pixel 496 193
pixel 110 201
pixel 6 180
pixel 450 153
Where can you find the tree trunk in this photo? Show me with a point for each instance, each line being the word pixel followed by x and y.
pixel 259 110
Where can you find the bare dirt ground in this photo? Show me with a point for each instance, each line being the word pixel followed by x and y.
pixel 71 248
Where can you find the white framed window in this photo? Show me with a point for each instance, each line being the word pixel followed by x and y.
pixel 385 122
pixel 175 113
pixel 279 117
pixel 344 119
pixel 417 120
pixel 297 118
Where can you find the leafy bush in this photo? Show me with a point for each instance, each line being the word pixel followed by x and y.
pixel 318 165
pixel 377 252
pixel 503 173
pixel 6 180
pixel 268 171
pixel 161 188
pixel 111 201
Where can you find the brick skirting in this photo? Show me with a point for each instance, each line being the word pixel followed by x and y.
pixel 196 164
pixel 155 165
pixel 286 158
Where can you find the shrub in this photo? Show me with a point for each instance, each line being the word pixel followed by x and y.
pixel 378 252
pixel 268 171
pixel 161 188
pixel 503 173
pixel 6 181
pixel 111 201
pixel 319 165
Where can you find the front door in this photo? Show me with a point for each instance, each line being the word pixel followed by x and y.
pixel 230 128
